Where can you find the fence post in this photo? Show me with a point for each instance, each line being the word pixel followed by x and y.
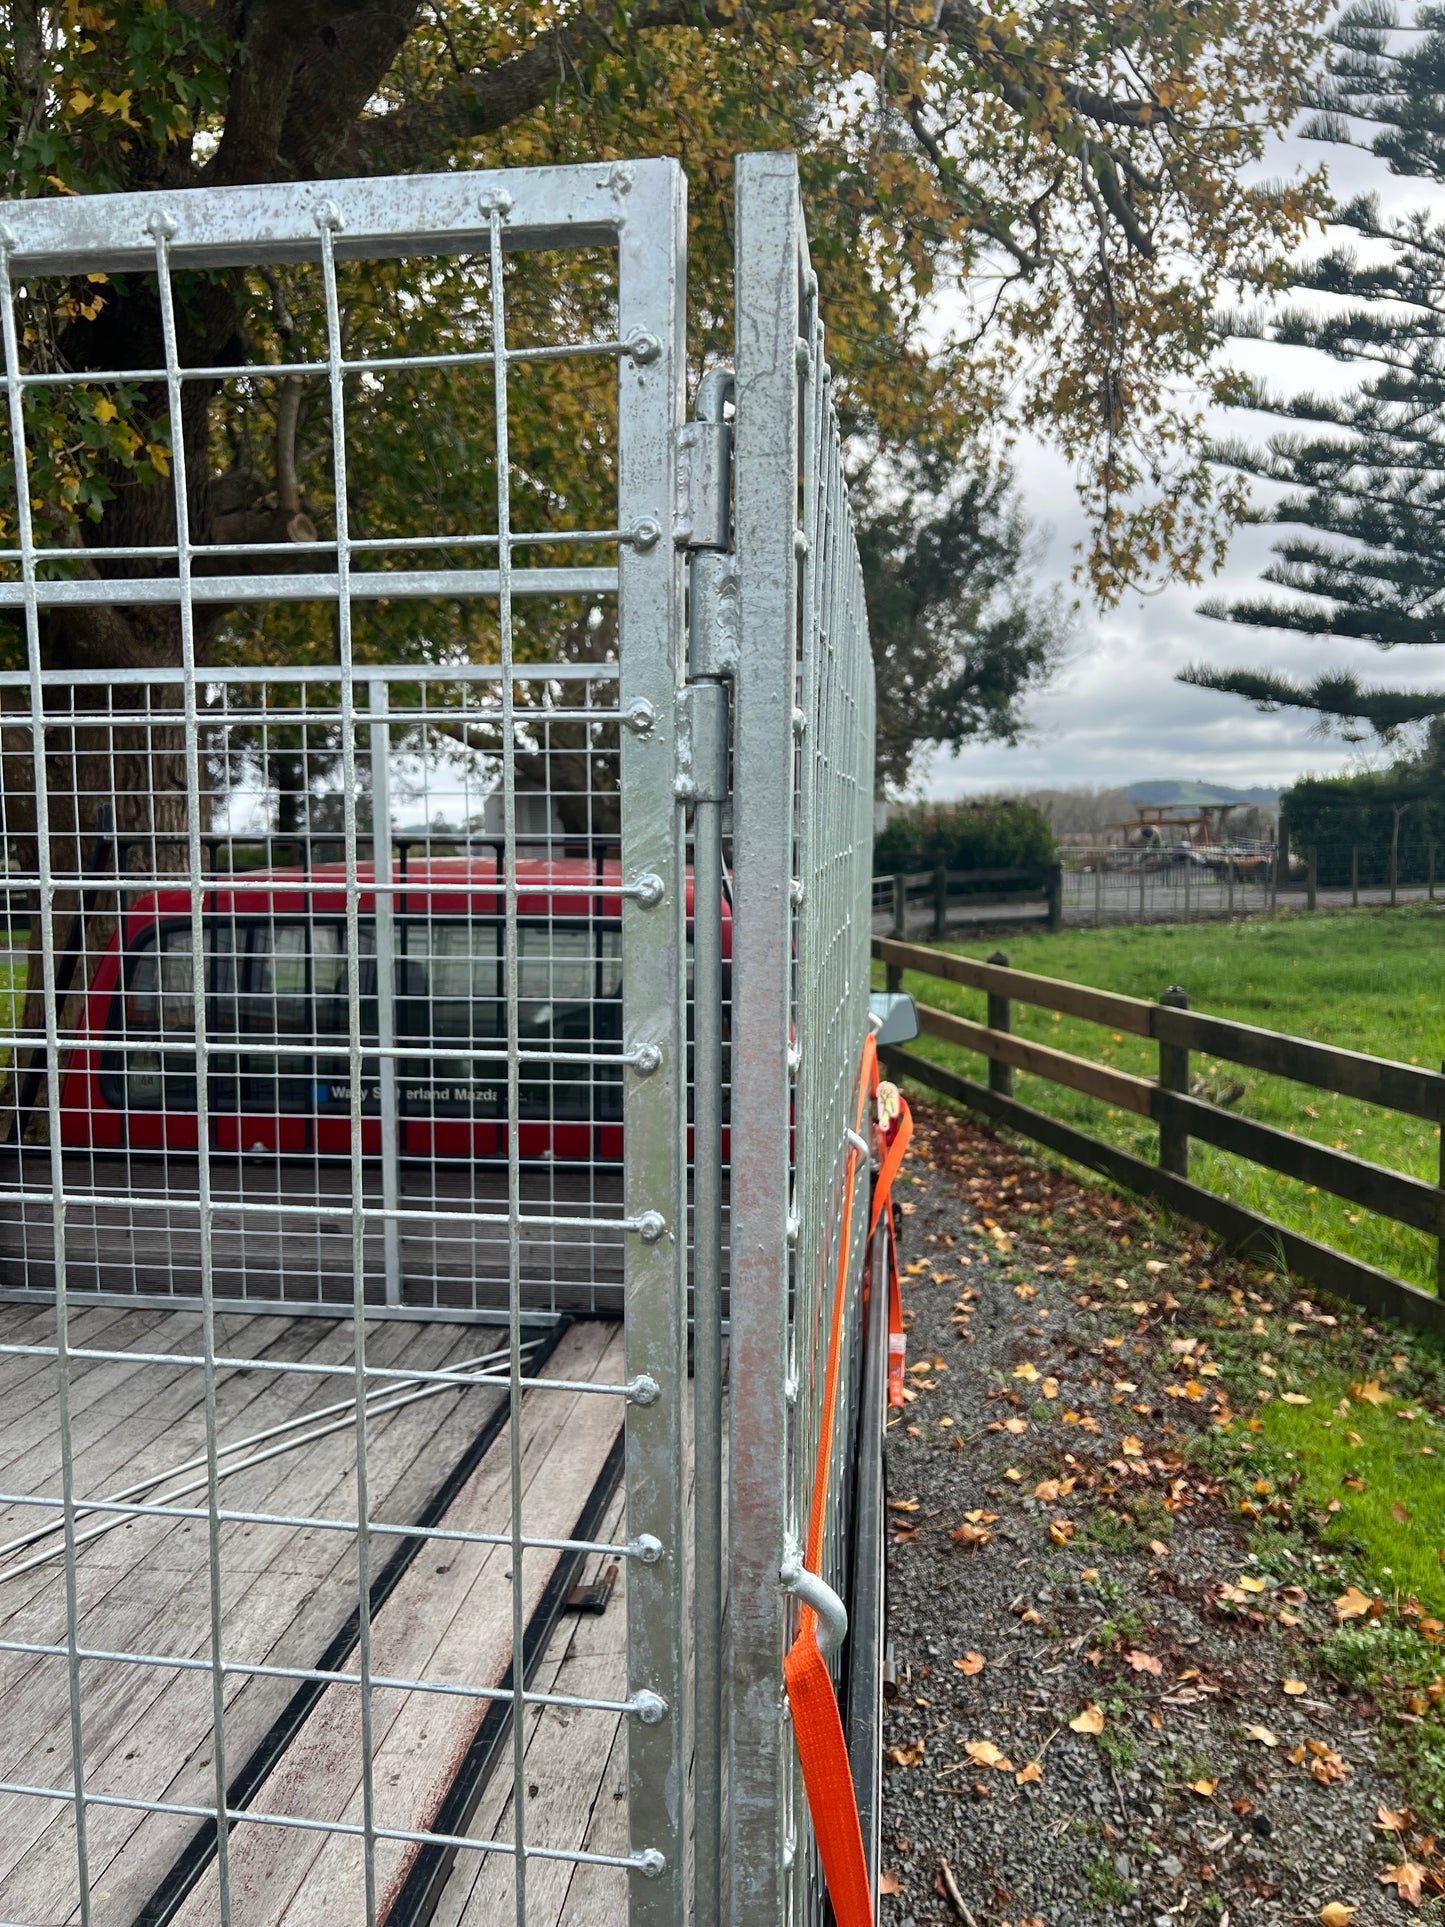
pixel 940 901
pixel 1394 872
pixel 1098 896
pixel 1312 873
pixel 1274 883
pixel 1056 896
pixel 1000 1017
pixel 1142 917
pixel 900 908
pixel 1188 883
pixel 1431 879
pixel 1355 875
pixel 1174 1076
pixel 1229 886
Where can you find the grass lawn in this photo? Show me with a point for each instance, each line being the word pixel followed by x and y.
pixel 1366 980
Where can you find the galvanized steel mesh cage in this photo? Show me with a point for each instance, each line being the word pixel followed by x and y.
pixel 364 1152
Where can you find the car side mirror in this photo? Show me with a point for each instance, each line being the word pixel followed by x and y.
pixel 895 1016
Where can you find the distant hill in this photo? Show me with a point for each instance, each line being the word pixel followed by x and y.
pixel 1163 790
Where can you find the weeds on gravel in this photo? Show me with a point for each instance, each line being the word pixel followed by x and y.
pixel 1107 1886
pixel 1401 1670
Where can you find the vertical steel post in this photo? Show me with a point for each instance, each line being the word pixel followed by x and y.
pixel 651 309
pixel 711 591
pixel 765 500
pixel 380 731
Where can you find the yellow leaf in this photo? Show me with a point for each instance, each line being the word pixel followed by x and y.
pixel 1294 1687
pixel 1337 1914
pixel 1030 1775
pixel 1050 1388
pixel 105 410
pixel 1262 1736
pixel 1351 1604
pixel 985 1753
pixel 117 107
pixel 1293 1398
pixel 971 1663
pixel 80 102
pixel 1371 1392
pixel 1204 1788
pixel 910 1755
pixel 1250 1584
pixel 1091 1720
pixel 160 457
pixel 1027 1372
pixel 1132 1448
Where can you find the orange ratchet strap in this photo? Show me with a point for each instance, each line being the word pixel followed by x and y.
pixel 817 1723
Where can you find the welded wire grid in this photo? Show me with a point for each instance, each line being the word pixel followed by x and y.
pixel 833 841
pixel 322 1009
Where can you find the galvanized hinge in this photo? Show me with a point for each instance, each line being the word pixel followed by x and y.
pixel 702 743
pixel 702 518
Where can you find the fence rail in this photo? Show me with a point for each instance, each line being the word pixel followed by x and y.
pixel 1181 1116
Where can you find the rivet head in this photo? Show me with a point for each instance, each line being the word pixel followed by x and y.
pixel 646 1059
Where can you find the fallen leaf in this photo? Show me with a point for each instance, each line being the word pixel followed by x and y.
pixel 1294 1687
pixel 1027 1372
pixel 1351 1604
pixel 903 1505
pixel 1392 1819
pixel 1371 1392
pixel 971 1663
pixel 1293 1398
pixel 1337 1914
pixel 910 1755
pixel 1250 1584
pixel 1132 1448
pixel 1406 1879
pixel 889 1884
pixel 1262 1735
pixel 1402 1515
pixel 1159 1549
pixel 1061 1531
pixel 1030 1775
pixel 1204 1788
pixel 1050 1388
pixel 1143 1662
pixel 1091 1720
pixel 1014 1475
pixel 985 1753
pixel 1089 1575
pixel 972 1536
pixel 1016 1425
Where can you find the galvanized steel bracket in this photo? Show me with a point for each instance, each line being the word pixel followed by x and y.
pixel 712 615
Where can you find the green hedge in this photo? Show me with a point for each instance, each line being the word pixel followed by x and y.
pixel 1334 815
pixel 994 835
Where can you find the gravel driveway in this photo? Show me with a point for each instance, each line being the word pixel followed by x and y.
pixel 1054 1517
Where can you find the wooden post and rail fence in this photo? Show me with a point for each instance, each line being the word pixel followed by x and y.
pixel 1182 1117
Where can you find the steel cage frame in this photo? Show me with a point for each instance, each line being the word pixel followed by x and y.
pixel 637 210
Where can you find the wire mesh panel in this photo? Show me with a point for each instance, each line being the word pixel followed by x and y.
pixel 802 837
pixel 341 816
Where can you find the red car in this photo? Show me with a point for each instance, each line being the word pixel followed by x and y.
pixel 276 975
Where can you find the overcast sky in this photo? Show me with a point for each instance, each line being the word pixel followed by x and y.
pixel 1115 714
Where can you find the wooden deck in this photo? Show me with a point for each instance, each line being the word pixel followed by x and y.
pixel 287 1594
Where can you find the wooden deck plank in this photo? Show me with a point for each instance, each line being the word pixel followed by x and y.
pixel 452 1621
pixel 283 1609
pixel 129 1586
pixel 567 1756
